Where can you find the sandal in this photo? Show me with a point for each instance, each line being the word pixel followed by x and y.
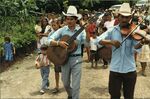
pixel 56 90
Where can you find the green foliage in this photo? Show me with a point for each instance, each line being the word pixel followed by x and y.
pixel 89 3
pixel 20 37
pixel 17 16
pixel 17 21
pixel 132 2
pixel 65 4
pixel 1 44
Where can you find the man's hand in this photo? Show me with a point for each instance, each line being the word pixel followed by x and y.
pixel 63 44
pixel 115 43
pixel 110 42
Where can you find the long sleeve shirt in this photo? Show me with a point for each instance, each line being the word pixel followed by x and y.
pixel 122 60
pixel 81 38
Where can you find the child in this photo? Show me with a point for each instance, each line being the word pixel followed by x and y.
pixel 93 51
pixel 43 63
pixel 57 69
pixel 9 50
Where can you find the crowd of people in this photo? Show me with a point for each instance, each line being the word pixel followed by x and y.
pixel 118 38
pixel 105 39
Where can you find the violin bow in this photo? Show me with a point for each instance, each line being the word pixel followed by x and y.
pixel 128 35
pixel 131 31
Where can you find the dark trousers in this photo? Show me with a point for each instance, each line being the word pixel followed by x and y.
pixel 82 49
pixel 105 62
pixel 119 80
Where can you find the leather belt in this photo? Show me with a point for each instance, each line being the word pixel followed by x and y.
pixel 74 55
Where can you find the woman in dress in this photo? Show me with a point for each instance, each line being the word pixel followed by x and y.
pixel 144 55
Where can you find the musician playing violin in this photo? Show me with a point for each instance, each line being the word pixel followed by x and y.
pixel 71 70
pixel 122 66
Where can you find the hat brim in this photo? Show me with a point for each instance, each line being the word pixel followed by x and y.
pixel 125 14
pixel 69 14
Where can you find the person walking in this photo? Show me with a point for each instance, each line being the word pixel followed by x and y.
pixel 122 66
pixel 71 70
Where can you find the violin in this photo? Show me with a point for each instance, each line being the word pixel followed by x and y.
pixel 137 35
pixel 131 32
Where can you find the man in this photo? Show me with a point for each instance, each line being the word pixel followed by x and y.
pixel 71 70
pixel 122 66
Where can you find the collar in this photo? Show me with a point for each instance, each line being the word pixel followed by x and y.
pixel 76 28
pixel 117 27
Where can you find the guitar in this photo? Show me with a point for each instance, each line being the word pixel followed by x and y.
pixel 59 55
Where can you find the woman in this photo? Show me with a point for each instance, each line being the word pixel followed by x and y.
pixel 144 55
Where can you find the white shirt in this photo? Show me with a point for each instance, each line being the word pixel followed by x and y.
pixel 93 44
pixel 44 40
pixel 109 24
pixel 43 60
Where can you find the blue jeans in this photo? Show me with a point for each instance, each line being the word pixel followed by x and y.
pixel 45 74
pixel 71 71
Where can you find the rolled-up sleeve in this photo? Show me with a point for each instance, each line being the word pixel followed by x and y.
pixel 105 36
pixel 135 42
pixel 55 36
pixel 83 37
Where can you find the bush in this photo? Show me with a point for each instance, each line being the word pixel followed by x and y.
pixel 19 36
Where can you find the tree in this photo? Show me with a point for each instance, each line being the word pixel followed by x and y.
pixel 65 4
pixel 14 12
pixel 89 3
pixel 132 2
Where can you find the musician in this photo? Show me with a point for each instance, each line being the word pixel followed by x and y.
pixel 122 66
pixel 71 70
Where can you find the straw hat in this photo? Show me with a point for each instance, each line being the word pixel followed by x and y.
pixel 125 9
pixel 72 11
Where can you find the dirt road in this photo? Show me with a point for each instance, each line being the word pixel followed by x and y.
pixel 22 80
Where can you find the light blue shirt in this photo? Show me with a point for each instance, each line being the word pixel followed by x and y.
pixel 52 32
pixel 122 60
pixel 81 38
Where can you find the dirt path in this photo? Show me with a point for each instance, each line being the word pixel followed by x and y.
pixel 22 80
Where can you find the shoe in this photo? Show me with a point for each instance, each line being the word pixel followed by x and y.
pixel 56 90
pixel 42 91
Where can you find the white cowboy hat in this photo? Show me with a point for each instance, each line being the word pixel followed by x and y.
pixel 72 11
pixel 125 9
